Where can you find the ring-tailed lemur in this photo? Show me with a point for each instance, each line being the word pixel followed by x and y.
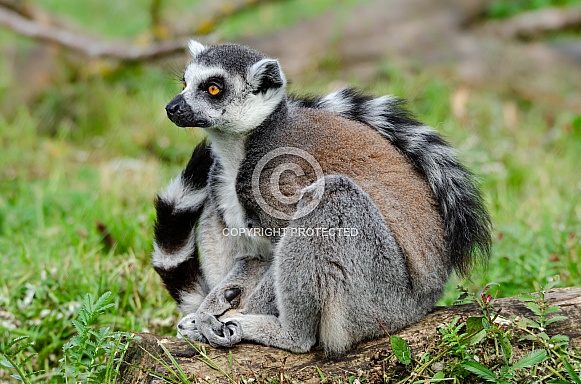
pixel 268 268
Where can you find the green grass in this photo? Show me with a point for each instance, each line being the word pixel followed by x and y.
pixel 90 152
pixel 506 8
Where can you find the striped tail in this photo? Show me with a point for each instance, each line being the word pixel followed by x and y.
pixel 175 253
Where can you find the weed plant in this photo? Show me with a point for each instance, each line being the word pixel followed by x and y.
pixel 481 348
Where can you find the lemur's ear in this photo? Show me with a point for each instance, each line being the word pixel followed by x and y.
pixel 195 48
pixel 266 74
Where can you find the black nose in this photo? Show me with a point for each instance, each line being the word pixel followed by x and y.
pixel 174 106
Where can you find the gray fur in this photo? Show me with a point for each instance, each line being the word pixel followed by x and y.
pixel 295 292
pixel 333 289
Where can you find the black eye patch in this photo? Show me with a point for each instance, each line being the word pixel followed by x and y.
pixel 214 87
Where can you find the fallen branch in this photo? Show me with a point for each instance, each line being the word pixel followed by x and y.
pixel 371 359
pixel 529 25
pixel 28 21
pixel 87 45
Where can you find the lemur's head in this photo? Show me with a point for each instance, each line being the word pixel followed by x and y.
pixel 230 88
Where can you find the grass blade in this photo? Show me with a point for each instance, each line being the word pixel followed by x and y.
pixel 571 372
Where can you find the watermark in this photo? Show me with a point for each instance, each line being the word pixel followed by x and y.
pixel 292 231
pixel 270 180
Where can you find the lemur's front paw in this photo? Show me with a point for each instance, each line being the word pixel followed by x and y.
pixel 220 334
pixel 188 329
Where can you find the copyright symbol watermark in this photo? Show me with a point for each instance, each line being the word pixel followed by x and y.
pixel 275 194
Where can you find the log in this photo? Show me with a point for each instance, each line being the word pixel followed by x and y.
pixel 145 358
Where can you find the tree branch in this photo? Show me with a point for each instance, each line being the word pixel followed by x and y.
pixel 532 24
pixel 25 20
pixel 87 45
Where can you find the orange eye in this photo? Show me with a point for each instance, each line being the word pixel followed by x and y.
pixel 214 90
pixel 184 84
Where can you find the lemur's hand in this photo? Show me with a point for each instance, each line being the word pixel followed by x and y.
pixel 217 333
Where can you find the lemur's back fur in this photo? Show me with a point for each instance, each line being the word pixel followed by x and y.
pixel 418 211
pixel 466 221
pixel 342 146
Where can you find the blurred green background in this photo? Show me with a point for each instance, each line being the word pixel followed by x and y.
pixel 85 145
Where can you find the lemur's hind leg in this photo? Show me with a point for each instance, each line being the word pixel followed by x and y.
pixel 247 286
pixel 333 279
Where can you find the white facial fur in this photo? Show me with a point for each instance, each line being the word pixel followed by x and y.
pixel 198 100
pixel 241 108
pixel 195 48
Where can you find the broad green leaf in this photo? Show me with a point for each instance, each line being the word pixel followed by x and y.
pixel 478 337
pixel 401 350
pixel 552 309
pixel 486 323
pixel 480 370
pixel 531 359
pixel 6 363
pixel 439 375
pixel 474 324
pixel 534 307
pixel 558 339
pixel 506 348
pixel 79 327
pixel 529 323
pixel 554 319
pixel 551 282
pixel 102 301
